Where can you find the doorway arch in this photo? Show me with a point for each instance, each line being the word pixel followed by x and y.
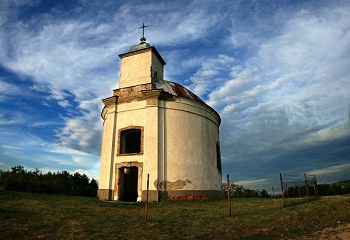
pixel 128 181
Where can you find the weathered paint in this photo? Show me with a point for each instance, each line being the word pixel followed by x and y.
pixel 167 185
pixel 180 133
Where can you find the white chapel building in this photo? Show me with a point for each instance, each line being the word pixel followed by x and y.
pixel 156 127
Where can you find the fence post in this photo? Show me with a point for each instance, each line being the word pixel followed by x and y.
pixel 146 208
pixel 307 188
pixel 284 202
pixel 315 185
pixel 229 194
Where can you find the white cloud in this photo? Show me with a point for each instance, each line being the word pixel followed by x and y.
pixel 250 181
pixel 290 97
pixel 291 80
pixel 66 151
pixel 75 60
pixel 208 75
pixel 81 134
pixel 255 183
pixel 33 152
pixel 57 57
pixel 2 165
pixel 64 103
pixel 12 147
pixel 279 81
pixel 7 88
pixel 332 169
pixel 4 120
pixel 91 173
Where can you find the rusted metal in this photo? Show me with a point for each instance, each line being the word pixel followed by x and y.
pixel 183 92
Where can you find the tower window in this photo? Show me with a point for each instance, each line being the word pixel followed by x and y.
pixel 218 157
pixel 130 141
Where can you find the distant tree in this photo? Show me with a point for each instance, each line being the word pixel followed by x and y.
pixel 264 193
pixel 240 192
pixel 18 169
pixel 18 179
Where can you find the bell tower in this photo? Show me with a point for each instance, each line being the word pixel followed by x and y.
pixel 141 65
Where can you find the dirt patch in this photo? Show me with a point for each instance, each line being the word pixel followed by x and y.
pixel 342 232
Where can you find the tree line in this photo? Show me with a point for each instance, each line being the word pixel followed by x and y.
pixel 19 179
pixel 324 189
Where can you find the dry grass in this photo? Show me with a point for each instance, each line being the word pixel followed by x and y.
pixel 41 216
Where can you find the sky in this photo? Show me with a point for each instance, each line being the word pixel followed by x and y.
pixel 277 72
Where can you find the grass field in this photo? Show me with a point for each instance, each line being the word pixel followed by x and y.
pixel 42 216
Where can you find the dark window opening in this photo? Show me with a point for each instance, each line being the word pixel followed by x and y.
pixel 218 157
pixel 130 141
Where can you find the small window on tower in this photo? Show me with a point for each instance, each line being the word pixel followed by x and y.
pixel 130 141
pixel 218 157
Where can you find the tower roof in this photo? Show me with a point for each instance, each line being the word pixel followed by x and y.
pixel 143 44
pixel 140 46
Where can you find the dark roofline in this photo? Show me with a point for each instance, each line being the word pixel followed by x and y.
pixel 179 93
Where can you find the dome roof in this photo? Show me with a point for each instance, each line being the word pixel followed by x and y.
pixel 142 45
pixel 177 90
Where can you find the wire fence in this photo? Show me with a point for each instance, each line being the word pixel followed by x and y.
pixel 297 187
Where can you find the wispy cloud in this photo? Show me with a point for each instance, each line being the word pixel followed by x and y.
pixel 251 181
pixel 332 169
pixel 278 74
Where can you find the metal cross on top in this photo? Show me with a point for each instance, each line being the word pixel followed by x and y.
pixel 143 39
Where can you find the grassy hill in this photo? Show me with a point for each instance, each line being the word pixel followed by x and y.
pixel 44 216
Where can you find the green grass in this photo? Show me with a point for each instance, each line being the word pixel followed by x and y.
pixel 42 216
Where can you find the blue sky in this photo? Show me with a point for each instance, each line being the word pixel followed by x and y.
pixel 278 73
